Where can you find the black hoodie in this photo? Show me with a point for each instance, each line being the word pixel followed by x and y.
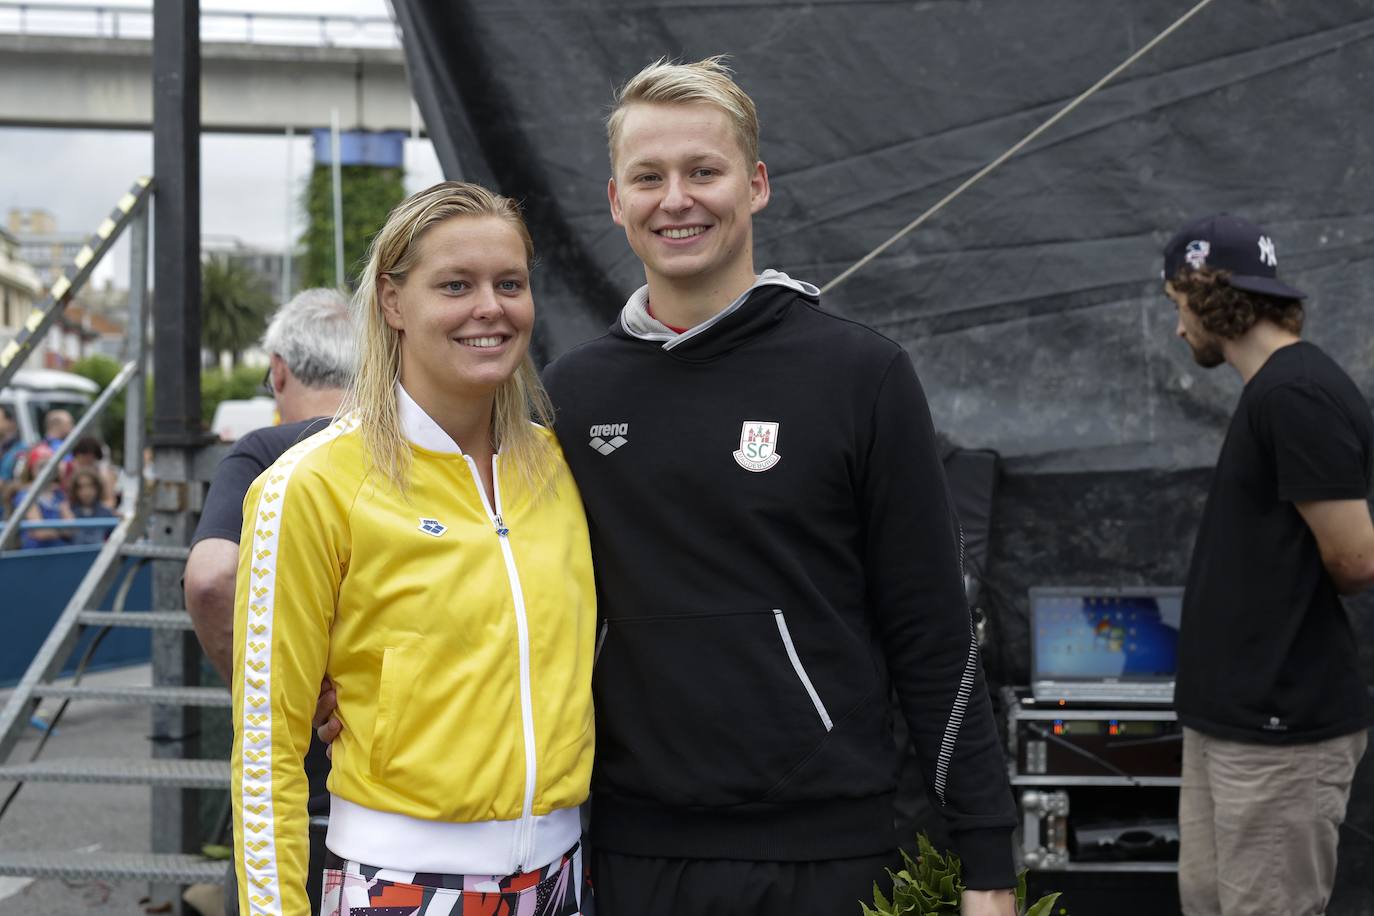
pixel 774 548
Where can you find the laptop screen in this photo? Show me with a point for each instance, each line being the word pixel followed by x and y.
pixel 1107 635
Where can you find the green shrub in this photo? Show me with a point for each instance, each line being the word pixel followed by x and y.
pixel 240 383
pixel 110 427
pixel 932 884
pixel 368 194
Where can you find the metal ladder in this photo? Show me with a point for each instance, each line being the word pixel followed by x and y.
pixel 175 699
pixel 163 868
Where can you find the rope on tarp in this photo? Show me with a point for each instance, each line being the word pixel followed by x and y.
pixel 1020 144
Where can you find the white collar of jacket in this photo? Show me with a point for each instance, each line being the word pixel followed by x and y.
pixel 420 428
pixel 637 322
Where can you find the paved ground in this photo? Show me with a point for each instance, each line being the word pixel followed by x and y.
pixel 64 817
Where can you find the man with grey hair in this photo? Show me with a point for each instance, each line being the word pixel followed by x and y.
pixel 310 343
pixel 311 347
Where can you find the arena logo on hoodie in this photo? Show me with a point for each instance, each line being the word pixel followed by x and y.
pixel 607 437
pixel 758 445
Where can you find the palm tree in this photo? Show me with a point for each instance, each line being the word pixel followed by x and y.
pixel 235 304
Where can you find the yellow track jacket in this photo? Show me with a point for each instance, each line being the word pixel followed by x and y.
pixel 459 639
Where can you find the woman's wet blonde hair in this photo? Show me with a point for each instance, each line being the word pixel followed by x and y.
pixel 521 400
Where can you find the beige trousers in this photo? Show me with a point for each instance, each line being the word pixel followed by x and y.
pixel 1259 824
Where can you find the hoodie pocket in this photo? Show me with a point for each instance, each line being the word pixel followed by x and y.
pixel 710 709
pixel 800 670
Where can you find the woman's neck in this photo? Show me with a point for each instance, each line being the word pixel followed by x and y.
pixel 467 420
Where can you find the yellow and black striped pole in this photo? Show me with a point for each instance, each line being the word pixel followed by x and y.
pixel 73 278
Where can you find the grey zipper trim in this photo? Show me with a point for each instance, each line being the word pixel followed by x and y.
pixel 801 671
pixel 956 717
pixel 600 640
pixel 961 699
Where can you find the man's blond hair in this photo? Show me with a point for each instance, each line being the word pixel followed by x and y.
pixel 708 81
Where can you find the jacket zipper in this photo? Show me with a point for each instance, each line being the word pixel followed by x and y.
pixel 524 836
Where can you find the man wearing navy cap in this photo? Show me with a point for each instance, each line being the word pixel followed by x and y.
pixel 1269 692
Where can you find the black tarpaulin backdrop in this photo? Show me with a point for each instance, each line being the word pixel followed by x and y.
pixel 1032 306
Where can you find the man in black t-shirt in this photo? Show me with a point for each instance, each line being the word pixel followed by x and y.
pixel 310 342
pixel 1269 692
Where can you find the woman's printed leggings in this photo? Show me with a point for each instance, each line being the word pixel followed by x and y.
pixel 353 889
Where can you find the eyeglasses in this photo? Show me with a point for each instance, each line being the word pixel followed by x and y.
pixel 267 383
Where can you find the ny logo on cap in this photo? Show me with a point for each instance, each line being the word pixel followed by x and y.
pixel 1267 255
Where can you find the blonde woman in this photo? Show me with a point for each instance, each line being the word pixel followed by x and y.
pixel 428 553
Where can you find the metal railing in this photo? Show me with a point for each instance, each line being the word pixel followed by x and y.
pixel 104 20
pixel 130 211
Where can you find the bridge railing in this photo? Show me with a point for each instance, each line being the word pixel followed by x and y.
pixel 105 20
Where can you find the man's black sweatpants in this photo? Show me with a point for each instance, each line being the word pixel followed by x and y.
pixel 646 886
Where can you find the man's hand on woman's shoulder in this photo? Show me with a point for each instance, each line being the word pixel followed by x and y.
pixel 327 725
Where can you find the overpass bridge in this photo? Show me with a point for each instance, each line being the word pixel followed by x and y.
pixel 252 80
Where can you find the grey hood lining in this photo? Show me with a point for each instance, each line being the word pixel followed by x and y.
pixel 637 322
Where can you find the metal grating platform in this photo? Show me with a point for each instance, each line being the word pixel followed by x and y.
pixel 190 774
pixel 151 696
pixel 129 866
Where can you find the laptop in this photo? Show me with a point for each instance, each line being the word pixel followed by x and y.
pixel 1104 645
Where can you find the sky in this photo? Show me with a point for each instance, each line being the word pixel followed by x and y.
pixel 246 180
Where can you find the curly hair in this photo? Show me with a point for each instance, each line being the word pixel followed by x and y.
pixel 1229 312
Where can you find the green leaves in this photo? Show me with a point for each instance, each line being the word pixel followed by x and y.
pixel 1044 906
pixel 102 370
pixel 240 383
pixel 368 194
pixel 932 884
pixel 235 305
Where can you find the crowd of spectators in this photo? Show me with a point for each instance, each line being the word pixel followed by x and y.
pixel 85 487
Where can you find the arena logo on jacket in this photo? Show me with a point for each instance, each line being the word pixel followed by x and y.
pixel 758 445
pixel 607 437
pixel 433 527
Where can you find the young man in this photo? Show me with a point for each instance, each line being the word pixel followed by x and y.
pixel 1269 688
pixel 774 547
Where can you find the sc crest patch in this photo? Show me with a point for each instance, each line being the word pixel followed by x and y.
pixel 758 445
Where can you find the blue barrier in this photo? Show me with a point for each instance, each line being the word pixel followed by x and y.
pixel 37 584
pixel 69 523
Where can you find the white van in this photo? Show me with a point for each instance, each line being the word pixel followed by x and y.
pixel 34 392
pixel 235 419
